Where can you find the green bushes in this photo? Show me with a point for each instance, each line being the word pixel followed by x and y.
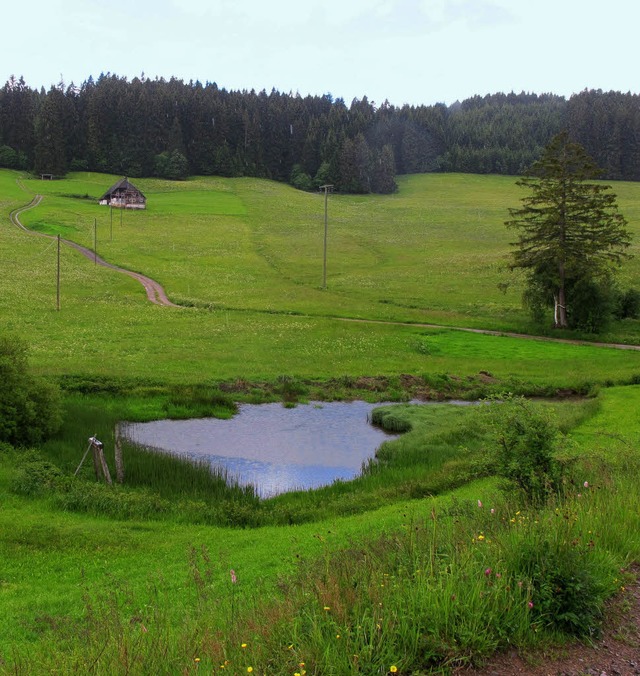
pixel 35 476
pixel 524 440
pixel 30 409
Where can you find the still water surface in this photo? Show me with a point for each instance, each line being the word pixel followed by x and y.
pixel 274 448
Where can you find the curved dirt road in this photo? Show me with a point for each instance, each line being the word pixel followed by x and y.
pixel 155 292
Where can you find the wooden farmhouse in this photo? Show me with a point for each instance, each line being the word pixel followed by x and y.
pixel 124 195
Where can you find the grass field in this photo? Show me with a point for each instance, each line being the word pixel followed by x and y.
pixel 245 256
pixel 386 574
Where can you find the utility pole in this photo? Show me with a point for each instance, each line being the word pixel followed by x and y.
pixel 327 187
pixel 58 278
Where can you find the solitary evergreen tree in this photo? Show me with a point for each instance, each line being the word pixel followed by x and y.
pixel 569 229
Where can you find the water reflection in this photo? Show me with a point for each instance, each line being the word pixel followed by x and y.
pixel 274 448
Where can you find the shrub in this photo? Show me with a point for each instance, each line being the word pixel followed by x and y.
pixel 628 304
pixel 300 179
pixel 591 307
pixel 36 477
pixel 30 408
pixel 567 582
pixel 524 438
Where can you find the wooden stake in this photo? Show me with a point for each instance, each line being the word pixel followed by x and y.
pixel 119 460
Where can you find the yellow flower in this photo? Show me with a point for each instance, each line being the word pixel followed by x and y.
pixel 393 669
pixel 244 645
pixel 249 670
pixel 480 537
pixel 327 608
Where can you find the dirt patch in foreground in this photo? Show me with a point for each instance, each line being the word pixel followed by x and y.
pixel 616 653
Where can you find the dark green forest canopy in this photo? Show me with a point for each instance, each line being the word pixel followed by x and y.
pixel 172 129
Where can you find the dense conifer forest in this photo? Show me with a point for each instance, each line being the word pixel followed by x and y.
pixel 172 129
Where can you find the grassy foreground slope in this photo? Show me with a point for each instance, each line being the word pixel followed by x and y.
pixel 245 257
pixel 424 583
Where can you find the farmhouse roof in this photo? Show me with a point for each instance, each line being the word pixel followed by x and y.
pixel 124 184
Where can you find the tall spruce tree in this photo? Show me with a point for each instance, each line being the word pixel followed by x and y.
pixel 570 230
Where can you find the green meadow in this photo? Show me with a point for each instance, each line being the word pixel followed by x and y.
pixel 420 565
pixel 244 259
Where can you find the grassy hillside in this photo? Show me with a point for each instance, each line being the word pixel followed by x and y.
pixel 420 564
pixel 245 257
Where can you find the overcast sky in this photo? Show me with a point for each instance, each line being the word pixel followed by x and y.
pixel 403 51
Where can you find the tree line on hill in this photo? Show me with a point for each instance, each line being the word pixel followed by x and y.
pixel 172 129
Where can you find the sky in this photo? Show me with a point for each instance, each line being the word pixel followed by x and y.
pixel 400 51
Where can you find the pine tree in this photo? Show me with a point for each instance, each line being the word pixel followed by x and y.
pixel 570 228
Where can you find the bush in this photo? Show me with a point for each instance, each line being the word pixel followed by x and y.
pixel 300 179
pixel 36 477
pixel 591 305
pixel 30 409
pixel 628 304
pixel 524 440
pixel 567 582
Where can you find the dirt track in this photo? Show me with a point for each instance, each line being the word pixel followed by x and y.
pixel 155 292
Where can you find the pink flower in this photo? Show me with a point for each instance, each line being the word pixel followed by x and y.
pixel 487 572
pixel 479 503
pixel 234 579
pixel 493 511
pixel 530 604
pixel 586 484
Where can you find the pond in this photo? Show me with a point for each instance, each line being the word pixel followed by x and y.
pixel 276 449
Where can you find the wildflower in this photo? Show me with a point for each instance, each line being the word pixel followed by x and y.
pixel 493 511
pixel 243 645
pixel 249 670
pixel 393 669
pixel 586 484
pixel 487 572
pixel 234 579
pixel 480 503
pixel 196 659
pixel 327 608
pixel 498 575
pixel 481 537
pixel 530 604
